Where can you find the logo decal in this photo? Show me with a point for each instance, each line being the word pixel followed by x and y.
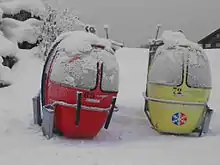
pixel 179 119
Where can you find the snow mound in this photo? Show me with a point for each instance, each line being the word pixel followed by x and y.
pixel 19 31
pixel 5 73
pixel 27 60
pixel 7 47
pixel 15 6
pixel 76 63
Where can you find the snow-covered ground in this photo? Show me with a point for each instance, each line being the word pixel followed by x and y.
pixel 129 139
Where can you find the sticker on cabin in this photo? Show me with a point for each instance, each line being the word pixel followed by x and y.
pixel 179 119
pixel 89 95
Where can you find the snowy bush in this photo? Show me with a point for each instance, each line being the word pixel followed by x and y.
pixel 56 21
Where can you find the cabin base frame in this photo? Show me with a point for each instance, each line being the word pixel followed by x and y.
pixel 44 115
pixel 201 130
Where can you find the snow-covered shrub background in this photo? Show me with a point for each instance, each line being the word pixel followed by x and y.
pixel 26 24
pixel 57 21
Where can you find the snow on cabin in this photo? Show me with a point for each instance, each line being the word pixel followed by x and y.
pixel 170 59
pixel 35 7
pixel 76 62
pixel 177 38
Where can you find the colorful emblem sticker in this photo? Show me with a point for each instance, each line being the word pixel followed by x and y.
pixel 179 119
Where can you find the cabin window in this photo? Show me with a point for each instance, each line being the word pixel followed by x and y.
pixel 198 71
pixel 110 74
pixel 50 56
pixel 76 71
pixel 167 67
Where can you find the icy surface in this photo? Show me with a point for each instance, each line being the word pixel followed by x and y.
pixel 36 7
pixel 76 62
pixel 129 139
pixel 19 31
pixel 171 60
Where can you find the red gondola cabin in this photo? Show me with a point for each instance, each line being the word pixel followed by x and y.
pixel 80 83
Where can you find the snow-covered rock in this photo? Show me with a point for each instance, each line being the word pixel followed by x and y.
pixel 4 71
pixel 18 31
pixel 4 74
pixel 34 7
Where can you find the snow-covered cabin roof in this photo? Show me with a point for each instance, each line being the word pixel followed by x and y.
pixel 171 38
pixel 81 41
pixel 167 66
pixel 76 61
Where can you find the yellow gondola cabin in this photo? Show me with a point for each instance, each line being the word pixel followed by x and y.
pixel 178 86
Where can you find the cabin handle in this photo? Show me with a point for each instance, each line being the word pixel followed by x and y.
pixel 110 113
pixel 172 101
pixel 78 107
